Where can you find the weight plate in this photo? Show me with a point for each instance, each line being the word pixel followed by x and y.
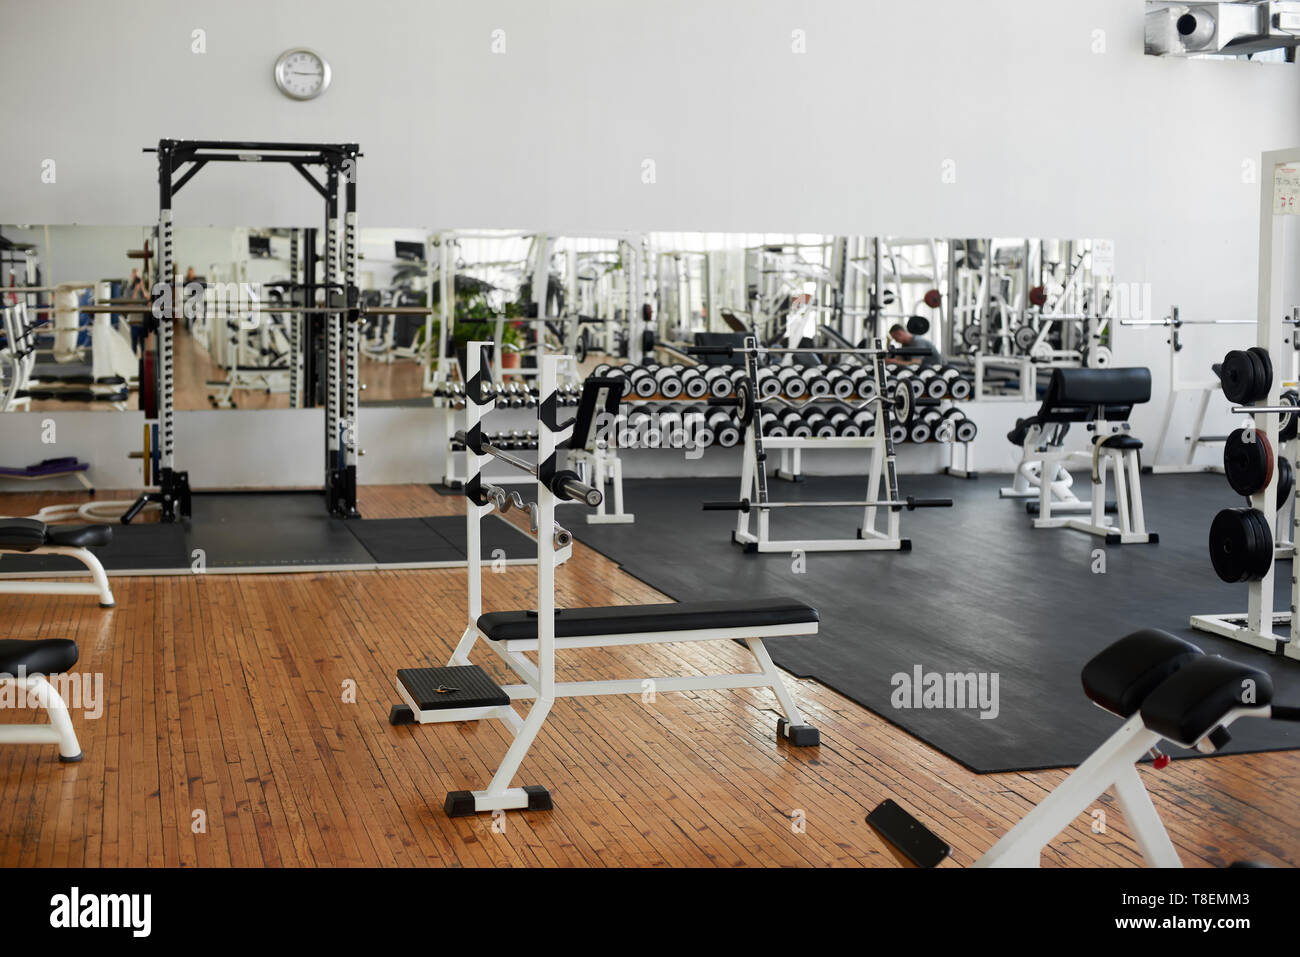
pixel 1262 555
pixel 1100 357
pixel 971 335
pixel 918 325
pixel 1289 424
pixel 903 404
pixel 1237 373
pixel 744 401
pixel 1285 481
pixel 1264 367
pixel 1248 461
pixel 1037 296
pixel 1024 338
pixel 1236 549
pixel 933 299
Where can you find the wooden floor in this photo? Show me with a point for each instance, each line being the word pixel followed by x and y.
pixel 402 379
pixel 228 701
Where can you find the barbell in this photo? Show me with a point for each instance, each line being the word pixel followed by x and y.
pixel 564 484
pixel 910 503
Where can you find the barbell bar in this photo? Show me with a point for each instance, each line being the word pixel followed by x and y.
pixel 567 485
pixel 910 503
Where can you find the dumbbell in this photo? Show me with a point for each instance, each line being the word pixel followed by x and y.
pixel 820 424
pixel 923 428
pixel 644 383
pixel 792 383
pixel 669 381
pixel 944 383
pixel 724 428
pixel 842 420
pixel 966 430
pixel 769 384
pixel 720 381
pixel 694 384
pixel 815 378
pixel 946 428
pixel 864 382
pixel 914 382
pixel 842 384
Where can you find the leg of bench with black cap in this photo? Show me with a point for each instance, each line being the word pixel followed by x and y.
pixel 25 667
pixel 1166 689
pixel 462 691
pixel 26 536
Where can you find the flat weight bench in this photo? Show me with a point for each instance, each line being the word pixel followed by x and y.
pixel 1166 689
pixel 1103 399
pixel 26 665
pixel 464 692
pixel 27 536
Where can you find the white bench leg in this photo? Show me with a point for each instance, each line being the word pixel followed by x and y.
pixel 59 731
pixel 792 727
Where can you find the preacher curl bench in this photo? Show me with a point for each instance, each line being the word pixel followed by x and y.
pixel 25 666
pixel 1103 399
pixel 1164 688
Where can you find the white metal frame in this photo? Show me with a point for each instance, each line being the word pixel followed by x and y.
pixel 59 731
pixel 1257 626
pixel 538 678
pixel 98 586
pixel 1112 766
pixel 602 466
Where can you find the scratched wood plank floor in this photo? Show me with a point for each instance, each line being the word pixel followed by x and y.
pixel 228 738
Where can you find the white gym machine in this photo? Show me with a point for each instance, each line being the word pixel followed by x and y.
pixel 1103 399
pixel 464 692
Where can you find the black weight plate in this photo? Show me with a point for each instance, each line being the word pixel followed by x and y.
pixel 1247 461
pixel 744 401
pixel 1264 366
pixel 1285 480
pixel 1262 555
pixel 918 325
pixel 1237 373
pixel 903 403
pixel 1232 540
pixel 1288 425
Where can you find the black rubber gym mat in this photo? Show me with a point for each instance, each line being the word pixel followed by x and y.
pixel 261 531
pixel 982 591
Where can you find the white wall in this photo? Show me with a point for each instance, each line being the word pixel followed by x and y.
pixel 1048 137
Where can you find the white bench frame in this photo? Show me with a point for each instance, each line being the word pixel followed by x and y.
pixel 98 586
pixel 1043 455
pixel 538 678
pixel 59 731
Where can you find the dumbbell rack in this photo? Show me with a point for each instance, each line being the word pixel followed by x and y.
pixel 880 470
pixel 1279 197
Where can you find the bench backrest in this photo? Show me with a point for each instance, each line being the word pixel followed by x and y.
pixel 1085 395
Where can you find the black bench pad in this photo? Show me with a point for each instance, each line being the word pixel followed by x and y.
pixel 638 619
pixel 1122 676
pixel 1120 441
pixel 24 534
pixel 1193 701
pixel 49 656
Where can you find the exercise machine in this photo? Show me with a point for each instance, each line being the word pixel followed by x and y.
pixel 462 691
pixel 1164 688
pixel 1103 399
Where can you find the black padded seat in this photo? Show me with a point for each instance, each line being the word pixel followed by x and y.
pixel 24 534
pixel 640 619
pixel 21 533
pixel 1122 676
pixel 49 656
pixel 1194 701
pixel 1018 435
pixel 79 536
pixel 1120 441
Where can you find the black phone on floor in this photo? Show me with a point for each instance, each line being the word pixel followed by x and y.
pixel 913 839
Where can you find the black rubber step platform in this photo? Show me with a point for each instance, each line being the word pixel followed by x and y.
pixel 461 686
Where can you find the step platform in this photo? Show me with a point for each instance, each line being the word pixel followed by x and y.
pixel 457 688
